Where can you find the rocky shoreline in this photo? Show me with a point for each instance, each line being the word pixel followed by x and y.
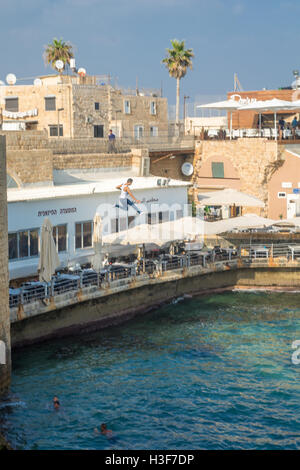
pixel 4 445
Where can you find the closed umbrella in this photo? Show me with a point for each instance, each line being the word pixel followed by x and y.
pixel 49 259
pixel 227 105
pixel 97 262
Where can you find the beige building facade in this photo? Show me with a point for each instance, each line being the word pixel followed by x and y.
pixel 73 107
pixel 4 308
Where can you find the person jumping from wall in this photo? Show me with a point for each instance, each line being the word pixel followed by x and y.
pixel 124 200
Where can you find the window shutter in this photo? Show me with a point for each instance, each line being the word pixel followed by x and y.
pixel 50 103
pixel 12 104
pixel 217 169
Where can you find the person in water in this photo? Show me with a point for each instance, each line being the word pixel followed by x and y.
pixel 104 431
pixel 124 200
pixel 56 403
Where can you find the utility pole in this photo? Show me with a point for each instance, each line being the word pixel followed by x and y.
pixel 184 111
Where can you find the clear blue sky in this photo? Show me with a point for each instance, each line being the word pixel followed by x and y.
pixel 258 39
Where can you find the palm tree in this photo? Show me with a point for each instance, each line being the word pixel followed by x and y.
pixel 177 62
pixel 58 50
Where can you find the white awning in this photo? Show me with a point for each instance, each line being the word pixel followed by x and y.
pixel 229 197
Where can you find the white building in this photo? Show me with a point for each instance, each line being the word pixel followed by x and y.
pixel 71 209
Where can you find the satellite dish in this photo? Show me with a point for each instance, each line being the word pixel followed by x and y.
pixel 187 169
pixel 59 65
pixel 11 79
pixel 81 72
pixel 37 82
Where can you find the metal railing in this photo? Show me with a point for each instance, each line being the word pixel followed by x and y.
pixel 78 278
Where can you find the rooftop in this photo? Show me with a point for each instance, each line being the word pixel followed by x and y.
pixel 85 189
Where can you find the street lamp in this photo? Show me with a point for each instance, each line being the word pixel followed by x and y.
pixel 58 110
pixel 184 112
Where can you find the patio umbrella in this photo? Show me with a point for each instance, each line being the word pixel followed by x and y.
pixel 245 221
pixel 229 197
pixel 270 105
pixel 49 259
pixel 97 262
pixel 227 105
pixel 156 234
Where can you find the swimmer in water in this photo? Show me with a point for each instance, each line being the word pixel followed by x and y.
pixel 104 431
pixel 56 403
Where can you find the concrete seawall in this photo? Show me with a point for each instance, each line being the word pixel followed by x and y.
pixel 95 310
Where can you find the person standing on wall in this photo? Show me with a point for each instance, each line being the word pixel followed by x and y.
pixel 111 142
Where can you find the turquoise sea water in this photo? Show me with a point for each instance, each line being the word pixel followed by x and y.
pixel 204 373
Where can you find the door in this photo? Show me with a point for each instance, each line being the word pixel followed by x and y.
pixel 291 206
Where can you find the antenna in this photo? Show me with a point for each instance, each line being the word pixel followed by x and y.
pixel 236 85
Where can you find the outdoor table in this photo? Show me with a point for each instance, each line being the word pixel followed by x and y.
pixel 294 249
pixel 260 250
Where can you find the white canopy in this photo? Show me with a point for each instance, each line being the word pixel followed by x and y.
pixel 245 221
pixel 270 105
pixel 229 197
pixel 227 105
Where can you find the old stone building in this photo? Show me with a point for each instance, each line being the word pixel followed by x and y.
pixel 4 308
pixel 72 107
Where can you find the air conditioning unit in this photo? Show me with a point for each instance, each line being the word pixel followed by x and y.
pixel 145 166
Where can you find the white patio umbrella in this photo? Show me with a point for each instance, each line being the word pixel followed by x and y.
pixel 156 234
pixel 229 197
pixel 49 259
pixel 227 105
pixel 270 105
pixel 244 221
pixel 97 262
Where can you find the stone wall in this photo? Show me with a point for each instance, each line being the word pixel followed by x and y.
pixel 88 161
pixel 4 308
pixel 254 162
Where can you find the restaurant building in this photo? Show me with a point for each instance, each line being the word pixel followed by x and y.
pixel 71 209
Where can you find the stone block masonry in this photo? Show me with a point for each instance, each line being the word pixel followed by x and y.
pixel 4 306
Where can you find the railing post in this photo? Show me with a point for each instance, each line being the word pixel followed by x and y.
pixel 81 280
pixel 22 296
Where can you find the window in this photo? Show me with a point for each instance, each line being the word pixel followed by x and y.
pixel 83 234
pixel 114 228
pixel 179 214
pixel 153 131
pixel 127 107
pixel 12 104
pixel 50 103
pixel 153 107
pixel 281 195
pixel 217 169
pixel 97 106
pixel 152 218
pixel 98 131
pixel 60 237
pixel 138 132
pixel 163 216
pixel 53 130
pixel 23 244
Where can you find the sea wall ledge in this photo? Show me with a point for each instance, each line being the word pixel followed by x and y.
pixel 93 308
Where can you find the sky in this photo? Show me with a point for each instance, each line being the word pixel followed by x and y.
pixel 257 39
